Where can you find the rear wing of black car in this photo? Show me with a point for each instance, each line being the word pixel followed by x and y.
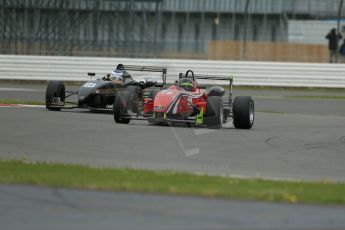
pixel 157 69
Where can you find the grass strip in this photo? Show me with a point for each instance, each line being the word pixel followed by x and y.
pixel 166 182
pixel 20 101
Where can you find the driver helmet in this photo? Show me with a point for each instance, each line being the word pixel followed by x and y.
pixel 186 84
pixel 117 75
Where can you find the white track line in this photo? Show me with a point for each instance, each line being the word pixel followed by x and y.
pixel 21 89
pixel 20 106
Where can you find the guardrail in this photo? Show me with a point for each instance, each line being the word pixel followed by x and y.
pixel 19 67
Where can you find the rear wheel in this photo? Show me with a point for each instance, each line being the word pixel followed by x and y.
pixel 243 112
pixel 121 105
pixel 214 112
pixel 55 95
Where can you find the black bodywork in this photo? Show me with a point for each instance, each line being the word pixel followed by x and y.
pixel 98 94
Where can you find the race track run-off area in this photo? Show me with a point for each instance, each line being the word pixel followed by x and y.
pixel 279 146
pixel 292 139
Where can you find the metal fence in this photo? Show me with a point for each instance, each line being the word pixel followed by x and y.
pixel 150 28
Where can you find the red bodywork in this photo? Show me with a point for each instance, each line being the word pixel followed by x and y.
pixel 176 101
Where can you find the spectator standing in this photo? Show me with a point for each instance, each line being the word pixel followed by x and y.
pixel 333 40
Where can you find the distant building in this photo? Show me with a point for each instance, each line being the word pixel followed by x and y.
pixel 311 31
pixel 152 27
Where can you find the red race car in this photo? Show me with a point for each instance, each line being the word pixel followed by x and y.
pixel 185 102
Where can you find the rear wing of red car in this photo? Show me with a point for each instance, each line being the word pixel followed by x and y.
pixel 190 74
pixel 218 78
pixel 163 70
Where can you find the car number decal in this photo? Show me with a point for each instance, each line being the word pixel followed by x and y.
pixel 89 85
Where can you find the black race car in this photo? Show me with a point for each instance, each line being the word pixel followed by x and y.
pixel 100 94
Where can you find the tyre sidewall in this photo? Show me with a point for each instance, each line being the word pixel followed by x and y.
pixel 54 89
pixel 135 93
pixel 243 109
pixel 120 107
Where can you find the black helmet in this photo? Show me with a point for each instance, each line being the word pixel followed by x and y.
pixel 119 73
pixel 186 83
pixel 120 67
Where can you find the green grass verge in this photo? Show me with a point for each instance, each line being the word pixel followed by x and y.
pixel 20 101
pixel 165 182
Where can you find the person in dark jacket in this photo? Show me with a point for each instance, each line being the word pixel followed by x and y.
pixel 333 39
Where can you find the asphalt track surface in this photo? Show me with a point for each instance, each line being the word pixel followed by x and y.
pixel 300 139
pixel 282 144
pixel 52 208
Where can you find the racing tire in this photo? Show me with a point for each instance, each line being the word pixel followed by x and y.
pixel 135 98
pixel 214 112
pixel 243 112
pixel 121 105
pixel 55 89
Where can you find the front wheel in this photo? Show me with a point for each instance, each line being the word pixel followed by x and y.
pixel 243 112
pixel 55 95
pixel 135 97
pixel 121 106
